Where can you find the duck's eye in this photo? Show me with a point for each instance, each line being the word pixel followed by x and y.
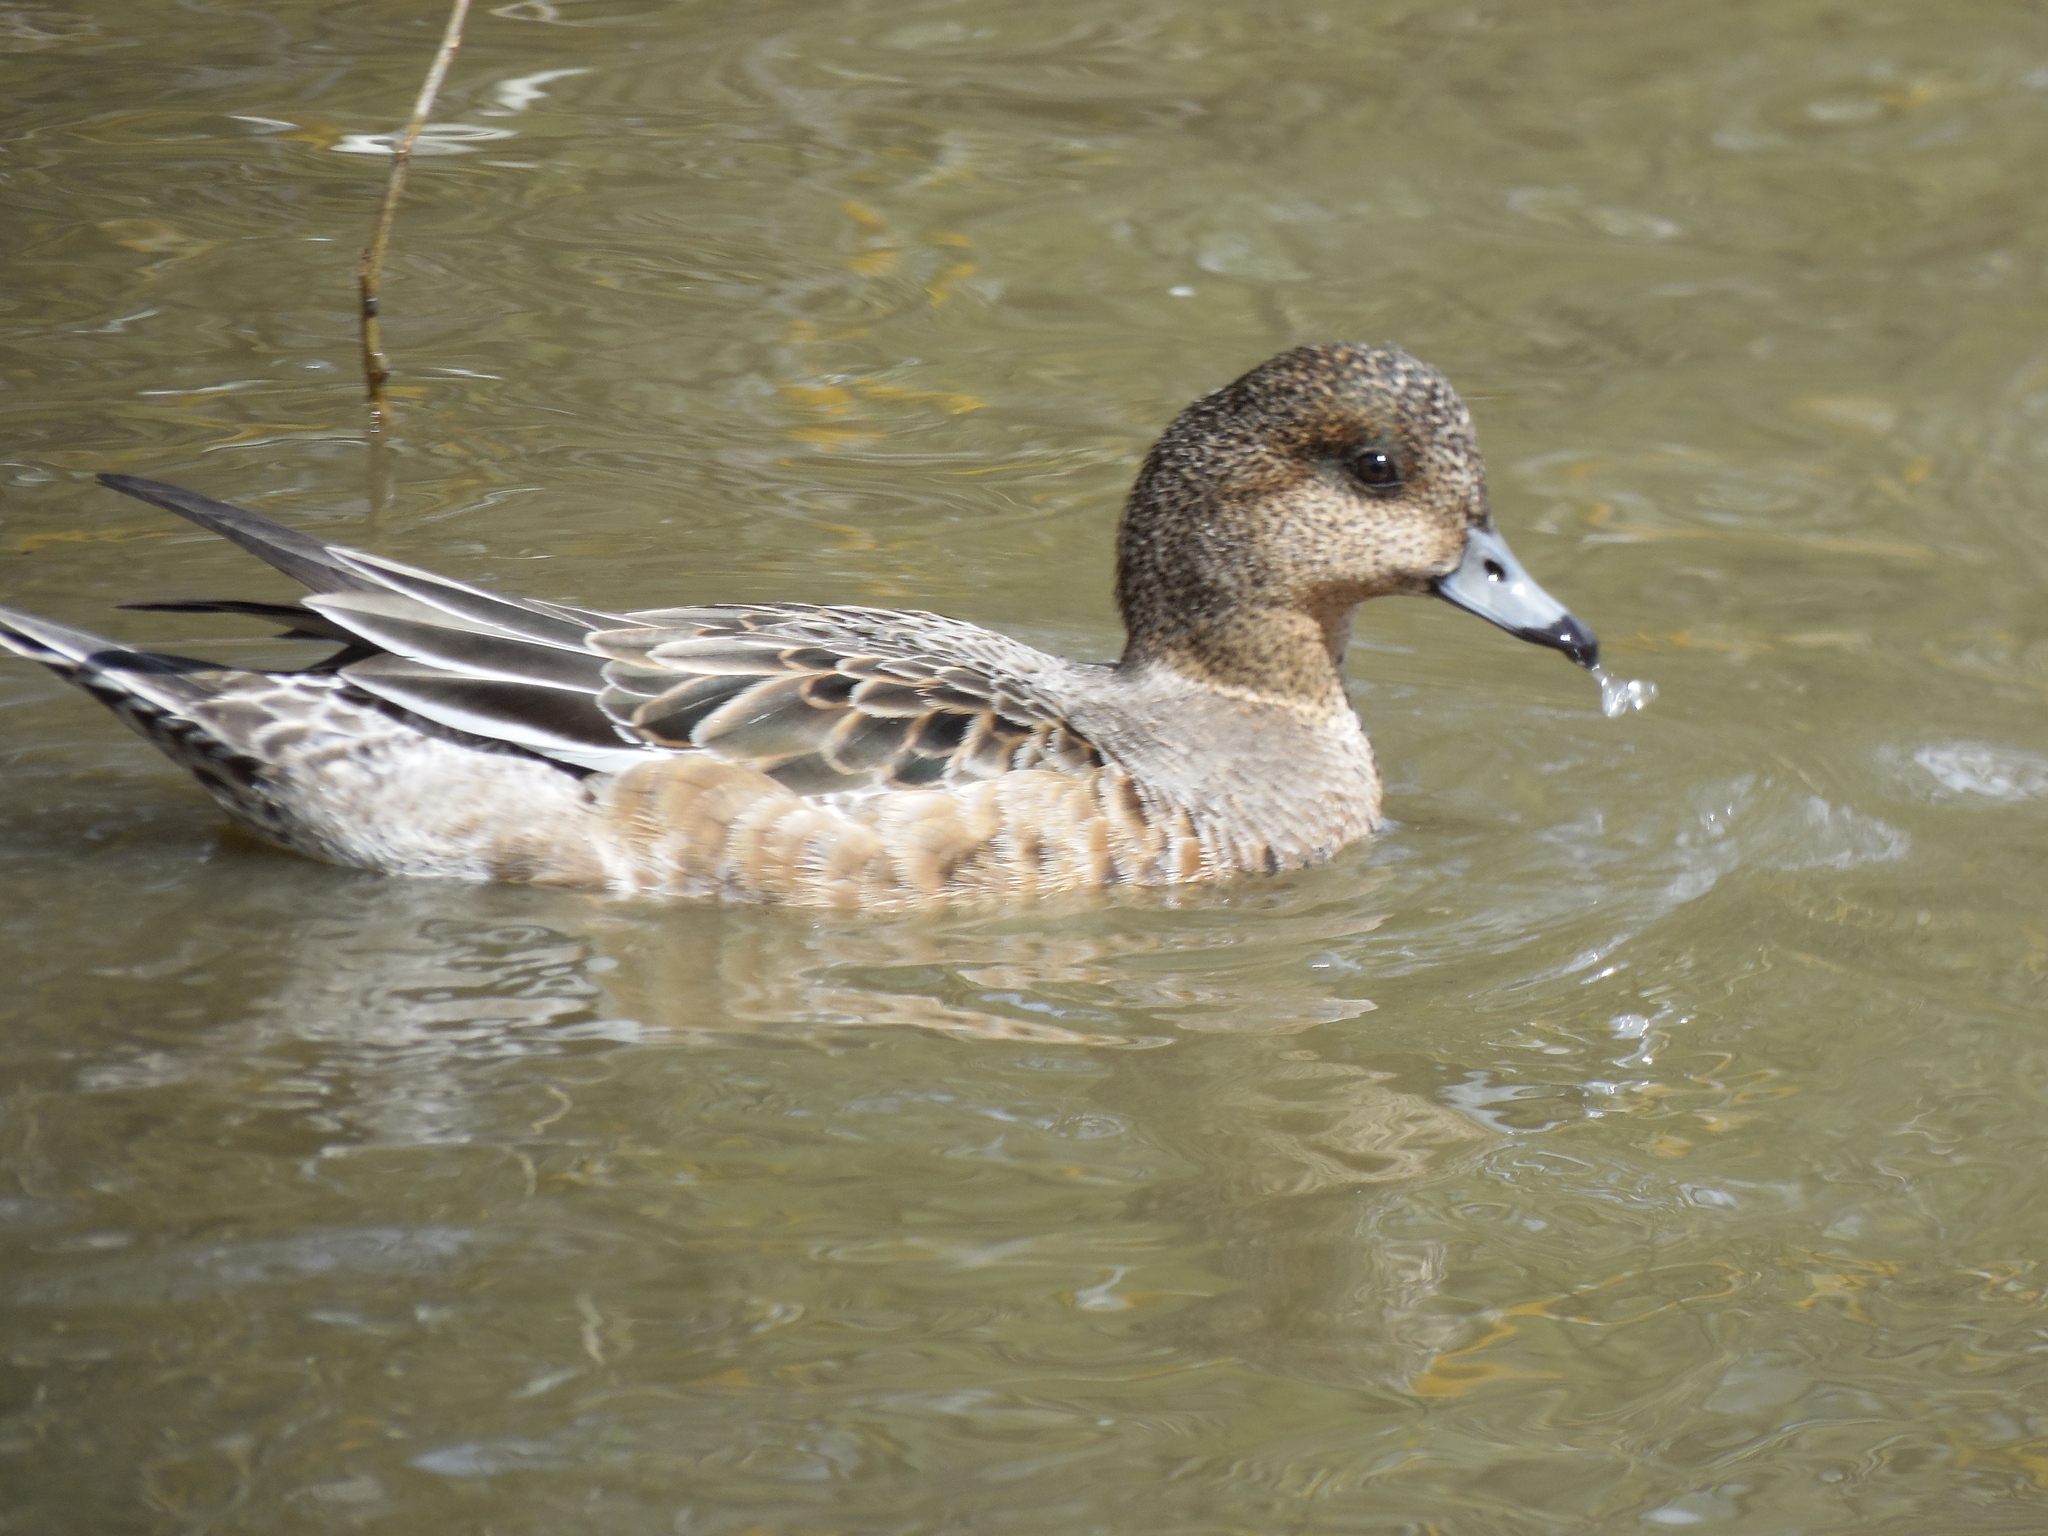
pixel 1376 469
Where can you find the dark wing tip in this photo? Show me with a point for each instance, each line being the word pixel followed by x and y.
pixel 300 556
pixel 132 485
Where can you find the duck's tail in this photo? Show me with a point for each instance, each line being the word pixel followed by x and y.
pixel 306 761
pixel 132 683
pixel 162 698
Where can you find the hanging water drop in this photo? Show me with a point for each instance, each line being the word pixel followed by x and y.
pixel 1619 695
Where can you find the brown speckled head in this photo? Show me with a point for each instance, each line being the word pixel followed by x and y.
pixel 1274 506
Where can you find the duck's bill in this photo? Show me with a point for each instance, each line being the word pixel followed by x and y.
pixel 1490 582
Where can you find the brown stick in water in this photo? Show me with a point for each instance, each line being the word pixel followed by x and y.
pixel 370 265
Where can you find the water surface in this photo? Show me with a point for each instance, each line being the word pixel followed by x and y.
pixel 1642 1134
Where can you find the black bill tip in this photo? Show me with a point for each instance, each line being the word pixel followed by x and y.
pixel 1571 637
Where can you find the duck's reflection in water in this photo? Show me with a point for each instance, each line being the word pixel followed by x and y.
pixel 399 1017
pixel 1286 1161
pixel 1126 978
pixel 1301 1162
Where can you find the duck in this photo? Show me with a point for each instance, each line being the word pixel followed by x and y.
pixel 863 758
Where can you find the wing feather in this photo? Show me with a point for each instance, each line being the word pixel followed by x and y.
pixel 549 623
pixel 554 722
pixel 767 723
pixel 412 629
pixel 669 719
pixel 863 742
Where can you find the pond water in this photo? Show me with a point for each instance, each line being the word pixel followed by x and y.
pixel 1644 1133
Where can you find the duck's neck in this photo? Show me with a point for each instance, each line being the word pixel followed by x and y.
pixel 1284 654
pixel 1205 591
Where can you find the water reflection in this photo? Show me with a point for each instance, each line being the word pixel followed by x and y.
pixel 1044 1157
pixel 826 1201
pixel 1179 1050
pixel 391 979
pixel 1635 1138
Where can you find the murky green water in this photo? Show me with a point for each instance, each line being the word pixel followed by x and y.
pixel 1644 1134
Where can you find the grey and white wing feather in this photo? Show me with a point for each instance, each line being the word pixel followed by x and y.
pixel 838 700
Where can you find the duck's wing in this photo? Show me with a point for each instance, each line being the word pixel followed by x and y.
pixel 836 700
pixel 825 700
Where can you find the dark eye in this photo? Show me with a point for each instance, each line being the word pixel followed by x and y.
pixel 1376 469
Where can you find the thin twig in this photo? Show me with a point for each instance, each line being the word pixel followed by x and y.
pixel 370 265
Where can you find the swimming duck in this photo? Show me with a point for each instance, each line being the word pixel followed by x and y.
pixel 865 757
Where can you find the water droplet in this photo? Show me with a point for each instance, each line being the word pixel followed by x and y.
pixel 1619 695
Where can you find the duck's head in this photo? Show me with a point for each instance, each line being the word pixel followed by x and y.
pixel 1270 509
